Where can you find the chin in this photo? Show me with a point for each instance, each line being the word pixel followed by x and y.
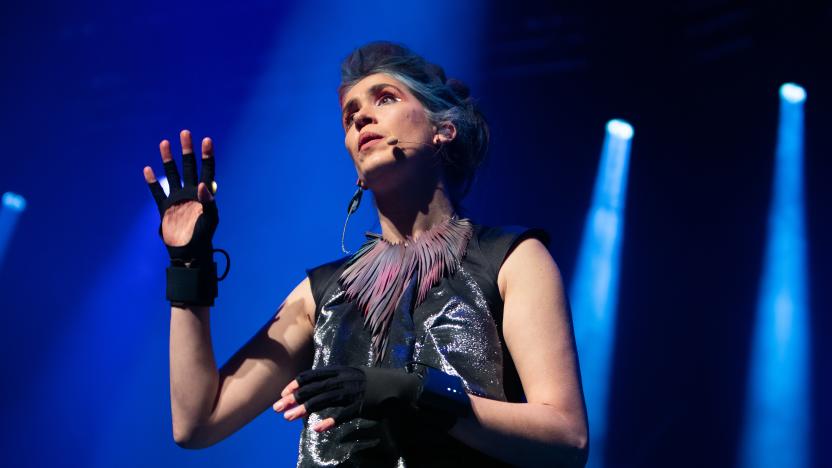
pixel 377 161
pixel 380 173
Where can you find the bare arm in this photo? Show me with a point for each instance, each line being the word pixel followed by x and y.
pixel 209 405
pixel 551 427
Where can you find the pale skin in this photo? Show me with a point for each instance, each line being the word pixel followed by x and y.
pixel 210 404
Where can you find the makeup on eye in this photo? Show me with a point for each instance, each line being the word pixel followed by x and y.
pixel 386 95
pixel 381 96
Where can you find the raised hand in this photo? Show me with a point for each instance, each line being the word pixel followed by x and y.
pixel 184 206
pixel 189 220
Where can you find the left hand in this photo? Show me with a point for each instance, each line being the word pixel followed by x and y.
pixel 369 392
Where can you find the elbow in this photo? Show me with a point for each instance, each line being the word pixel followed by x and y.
pixel 184 437
pixel 578 448
pixel 569 445
pixel 188 437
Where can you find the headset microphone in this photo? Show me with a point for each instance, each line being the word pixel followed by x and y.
pixel 393 141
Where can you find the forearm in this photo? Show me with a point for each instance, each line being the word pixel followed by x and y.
pixel 193 371
pixel 525 434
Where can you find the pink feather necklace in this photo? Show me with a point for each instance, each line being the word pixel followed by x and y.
pixel 378 274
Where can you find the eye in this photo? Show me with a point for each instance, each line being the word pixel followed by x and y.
pixel 387 98
pixel 348 119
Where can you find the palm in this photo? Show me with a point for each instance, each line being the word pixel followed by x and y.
pixel 181 213
pixel 179 221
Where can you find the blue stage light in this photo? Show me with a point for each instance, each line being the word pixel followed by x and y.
pixel 776 427
pixel 14 201
pixel 620 129
pixel 792 93
pixel 13 205
pixel 595 286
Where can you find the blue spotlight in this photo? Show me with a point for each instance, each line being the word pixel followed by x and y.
pixel 776 431
pixel 792 93
pixel 620 129
pixel 13 205
pixel 595 285
pixel 14 202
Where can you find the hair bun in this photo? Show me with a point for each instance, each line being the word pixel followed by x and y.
pixel 459 88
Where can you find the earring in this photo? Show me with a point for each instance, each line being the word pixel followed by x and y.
pixel 352 207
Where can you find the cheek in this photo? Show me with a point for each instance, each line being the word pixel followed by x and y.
pixel 349 144
pixel 416 116
pixel 413 118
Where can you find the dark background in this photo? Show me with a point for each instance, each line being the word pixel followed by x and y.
pixel 89 88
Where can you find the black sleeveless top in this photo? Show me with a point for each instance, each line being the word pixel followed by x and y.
pixel 457 328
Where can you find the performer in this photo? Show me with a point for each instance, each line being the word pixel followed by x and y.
pixel 440 342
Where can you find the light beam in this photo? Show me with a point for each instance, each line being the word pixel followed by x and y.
pixel 776 431
pixel 595 285
pixel 12 206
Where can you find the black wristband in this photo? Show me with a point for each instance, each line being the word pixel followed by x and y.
pixel 444 393
pixel 195 286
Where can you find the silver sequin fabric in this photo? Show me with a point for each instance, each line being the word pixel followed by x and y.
pixel 455 329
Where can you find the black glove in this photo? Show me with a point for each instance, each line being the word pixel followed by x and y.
pixel 377 393
pixel 192 275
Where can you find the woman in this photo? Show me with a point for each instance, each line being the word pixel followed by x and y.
pixel 439 343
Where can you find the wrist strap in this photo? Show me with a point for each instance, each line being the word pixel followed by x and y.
pixel 192 286
pixel 444 393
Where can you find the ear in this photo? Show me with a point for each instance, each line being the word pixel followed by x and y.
pixel 445 133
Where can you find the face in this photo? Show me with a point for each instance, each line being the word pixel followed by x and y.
pixel 379 107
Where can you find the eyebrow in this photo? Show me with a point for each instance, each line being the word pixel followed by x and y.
pixel 372 90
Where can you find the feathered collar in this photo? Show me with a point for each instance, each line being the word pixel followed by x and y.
pixel 378 274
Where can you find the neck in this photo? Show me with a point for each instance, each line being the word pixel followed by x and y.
pixel 409 213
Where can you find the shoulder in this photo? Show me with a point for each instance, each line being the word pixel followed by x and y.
pixel 325 270
pixel 323 277
pixel 497 243
pixel 528 264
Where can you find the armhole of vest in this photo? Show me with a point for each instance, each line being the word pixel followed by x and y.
pixel 509 237
pixel 497 244
pixel 320 279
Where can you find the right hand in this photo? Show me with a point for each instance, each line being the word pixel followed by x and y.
pixel 189 214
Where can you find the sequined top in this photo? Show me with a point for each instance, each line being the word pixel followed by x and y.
pixel 457 328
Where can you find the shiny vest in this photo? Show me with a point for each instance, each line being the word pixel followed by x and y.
pixel 458 329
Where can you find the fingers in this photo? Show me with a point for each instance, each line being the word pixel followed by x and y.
pixel 317 375
pixel 155 188
pixel 208 163
pixel 293 385
pixel 149 176
pixel 174 184
pixel 185 141
pixel 203 193
pixel 287 399
pixel 324 425
pixel 188 158
pixel 207 148
pixel 164 148
pixel 295 413
pixel 290 406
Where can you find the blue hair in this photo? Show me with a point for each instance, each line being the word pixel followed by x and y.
pixel 445 101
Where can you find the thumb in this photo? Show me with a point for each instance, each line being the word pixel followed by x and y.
pixel 203 194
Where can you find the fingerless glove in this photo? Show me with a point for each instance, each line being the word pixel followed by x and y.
pixel 376 393
pixel 192 274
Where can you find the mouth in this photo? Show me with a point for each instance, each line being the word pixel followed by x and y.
pixel 367 139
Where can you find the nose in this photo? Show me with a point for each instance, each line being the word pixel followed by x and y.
pixel 362 118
